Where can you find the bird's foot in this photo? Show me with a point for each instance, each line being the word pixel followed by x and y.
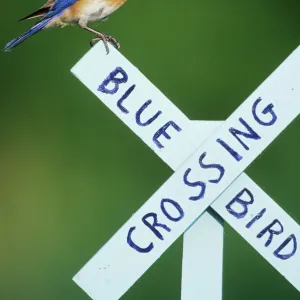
pixel 100 37
pixel 113 41
pixel 106 39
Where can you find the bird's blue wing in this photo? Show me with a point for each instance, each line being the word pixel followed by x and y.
pixel 58 7
pixel 55 10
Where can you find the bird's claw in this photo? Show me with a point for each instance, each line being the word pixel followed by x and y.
pixel 113 41
pixel 106 39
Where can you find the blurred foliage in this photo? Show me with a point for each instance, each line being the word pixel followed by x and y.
pixel 71 173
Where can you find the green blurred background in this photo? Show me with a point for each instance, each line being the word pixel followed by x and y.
pixel 72 173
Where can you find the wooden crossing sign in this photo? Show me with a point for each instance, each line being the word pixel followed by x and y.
pixel 208 159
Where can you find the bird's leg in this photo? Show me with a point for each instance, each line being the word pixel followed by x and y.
pixel 101 36
pixel 110 39
pixel 113 41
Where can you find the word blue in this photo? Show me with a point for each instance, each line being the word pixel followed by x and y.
pixel 118 77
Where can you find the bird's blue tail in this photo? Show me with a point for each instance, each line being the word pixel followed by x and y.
pixel 20 39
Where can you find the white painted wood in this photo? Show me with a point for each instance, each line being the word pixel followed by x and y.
pixel 202 258
pixel 87 70
pixel 289 268
pixel 123 264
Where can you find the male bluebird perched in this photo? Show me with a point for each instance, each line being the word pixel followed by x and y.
pixel 60 13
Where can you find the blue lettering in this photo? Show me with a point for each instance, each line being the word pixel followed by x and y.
pixel 271 231
pixel 267 110
pixel 135 246
pixel 232 152
pixel 251 135
pixel 174 204
pixel 123 98
pixel 243 203
pixel 194 184
pixel 155 224
pixel 113 79
pixel 283 245
pixel 212 166
pixel 256 218
pixel 140 111
pixel 163 131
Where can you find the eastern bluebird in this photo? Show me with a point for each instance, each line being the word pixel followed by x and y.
pixel 60 13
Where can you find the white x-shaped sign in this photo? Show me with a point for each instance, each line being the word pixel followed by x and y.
pixel 209 159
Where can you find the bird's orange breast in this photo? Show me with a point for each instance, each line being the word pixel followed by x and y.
pixel 116 3
pixel 87 6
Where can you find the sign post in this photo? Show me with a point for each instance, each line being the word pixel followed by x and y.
pixel 208 159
